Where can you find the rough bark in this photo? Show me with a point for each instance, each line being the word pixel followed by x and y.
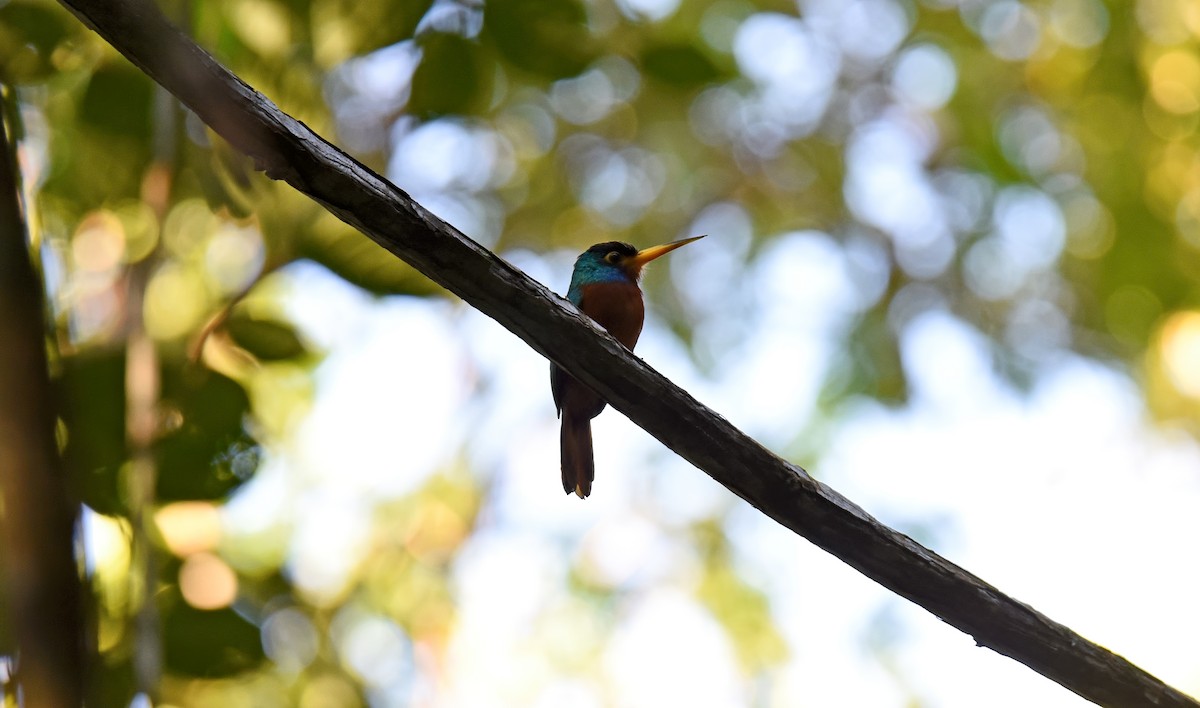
pixel 288 150
pixel 44 594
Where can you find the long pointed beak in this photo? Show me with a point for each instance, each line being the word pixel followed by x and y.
pixel 646 255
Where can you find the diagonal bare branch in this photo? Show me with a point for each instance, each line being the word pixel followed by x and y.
pixel 288 150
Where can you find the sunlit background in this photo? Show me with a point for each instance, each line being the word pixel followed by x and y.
pixel 953 269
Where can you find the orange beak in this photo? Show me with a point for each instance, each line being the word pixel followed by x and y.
pixel 646 255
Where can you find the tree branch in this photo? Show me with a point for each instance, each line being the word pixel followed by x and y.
pixel 287 149
pixel 45 601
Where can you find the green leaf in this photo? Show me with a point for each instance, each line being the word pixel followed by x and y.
pixel 91 400
pixel 743 610
pixel 205 454
pixel 872 366
pixel 208 454
pixel 207 400
pixel 267 340
pixel 225 177
pixel 452 78
pixel 110 680
pixel 679 64
pixel 358 259
pixel 549 38
pixel 209 643
pixel 358 28
pixel 29 34
pixel 194 466
pixel 118 99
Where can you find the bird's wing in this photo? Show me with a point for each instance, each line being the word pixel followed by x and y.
pixel 556 386
pixel 557 375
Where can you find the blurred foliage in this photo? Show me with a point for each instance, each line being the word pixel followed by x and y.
pixel 204 452
pixel 548 38
pixel 740 607
pixel 209 643
pixel 266 340
pixel 432 95
pixel 1031 167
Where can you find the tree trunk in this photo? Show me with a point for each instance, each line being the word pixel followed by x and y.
pixel 39 517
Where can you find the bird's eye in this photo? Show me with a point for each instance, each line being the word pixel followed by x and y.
pixel 612 257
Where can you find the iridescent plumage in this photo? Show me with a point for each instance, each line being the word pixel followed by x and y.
pixel 604 285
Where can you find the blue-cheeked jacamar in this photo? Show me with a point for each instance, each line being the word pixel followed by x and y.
pixel 604 286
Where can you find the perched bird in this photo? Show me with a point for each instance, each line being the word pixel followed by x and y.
pixel 604 285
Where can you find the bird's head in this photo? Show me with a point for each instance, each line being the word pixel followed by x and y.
pixel 616 260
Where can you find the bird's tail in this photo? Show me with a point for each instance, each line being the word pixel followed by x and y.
pixel 578 470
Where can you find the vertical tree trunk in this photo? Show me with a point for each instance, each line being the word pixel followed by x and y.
pixel 39 517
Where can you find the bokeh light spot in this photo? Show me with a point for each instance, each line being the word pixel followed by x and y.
pixel 207 582
pixel 652 10
pixel 444 154
pixel 99 242
pixel 870 30
pixel 234 257
pixel 141 229
pixel 373 647
pixel 1079 23
pixel 188 226
pixel 925 76
pixel 290 639
pixel 989 272
pixel 263 25
pixel 1090 229
pixel 1181 351
pixel 584 99
pixel 328 690
pixel 1030 139
pixel 1037 329
pixel 1175 82
pixel 176 299
pixel 1012 30
pixel 720 23
pixel 1031 225
pixel 106 542
pixel 795 70
pixel 189 527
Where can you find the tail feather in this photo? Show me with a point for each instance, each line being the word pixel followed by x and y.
pixel 578 469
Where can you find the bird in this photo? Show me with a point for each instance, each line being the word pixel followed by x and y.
pixel 604 286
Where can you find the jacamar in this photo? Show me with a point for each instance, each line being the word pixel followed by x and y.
pixel 604 285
